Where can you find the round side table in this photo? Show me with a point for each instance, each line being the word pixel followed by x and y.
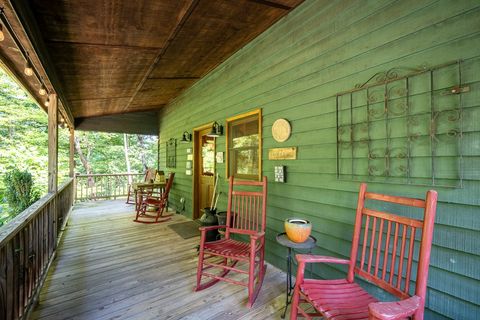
pixel 283 240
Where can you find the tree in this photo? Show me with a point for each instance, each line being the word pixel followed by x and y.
pixel 20 193
pixel 127 158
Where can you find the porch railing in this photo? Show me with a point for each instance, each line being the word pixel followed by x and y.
pixel 27 248
pixel 104 186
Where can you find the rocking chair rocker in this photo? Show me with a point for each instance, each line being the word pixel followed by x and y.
pixel 384 244
pixel 246 216
pixel 158 201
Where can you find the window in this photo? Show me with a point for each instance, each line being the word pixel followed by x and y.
pixel 244 145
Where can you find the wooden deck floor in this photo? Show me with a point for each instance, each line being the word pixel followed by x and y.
pixel 109 267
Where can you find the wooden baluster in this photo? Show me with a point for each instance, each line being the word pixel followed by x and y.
pixel 394 253
pixel 23 273
pixel 259 213
pixel 365 236
pixel 9 279
pixel 410 257
pixel 250 213
pixel 16 285
pixel 387 249
pixel 233 210
pixel 253 213
pixel 243 212
pixel 402 256
pixel 379 247
pixel 372 244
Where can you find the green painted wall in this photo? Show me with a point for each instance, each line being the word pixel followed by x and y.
pixel 293 71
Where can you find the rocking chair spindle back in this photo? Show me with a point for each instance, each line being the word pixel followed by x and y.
pixel 246 215
pixel 245 209
pixel 384 248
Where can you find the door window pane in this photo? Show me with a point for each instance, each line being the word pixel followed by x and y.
pixel 208 156
pixel 243 146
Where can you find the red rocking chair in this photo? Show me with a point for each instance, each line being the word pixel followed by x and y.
pixel 158 201
pixel 246 216
pixel 132 188
pixel 380 240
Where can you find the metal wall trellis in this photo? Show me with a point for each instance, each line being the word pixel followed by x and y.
pixel 404 129
pixel 171 153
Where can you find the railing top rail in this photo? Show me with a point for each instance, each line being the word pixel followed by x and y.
pixel 9 231
pixel 108 174
pixel 65 184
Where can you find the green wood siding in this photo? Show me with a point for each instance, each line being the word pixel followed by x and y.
pixel 293 71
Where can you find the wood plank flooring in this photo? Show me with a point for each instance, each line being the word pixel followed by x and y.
pixel 109 267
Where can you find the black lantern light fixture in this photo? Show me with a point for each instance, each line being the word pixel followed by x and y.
pixel 186 137
pixel 217 130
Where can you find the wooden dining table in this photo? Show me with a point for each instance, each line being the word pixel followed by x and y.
pixel 145 189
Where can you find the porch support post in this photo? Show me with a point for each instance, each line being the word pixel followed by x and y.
pixel 72 153
pixel 52 144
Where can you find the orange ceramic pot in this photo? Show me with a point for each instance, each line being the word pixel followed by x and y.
pixel 298 230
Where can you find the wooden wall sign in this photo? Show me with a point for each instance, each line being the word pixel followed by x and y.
pixel 282 153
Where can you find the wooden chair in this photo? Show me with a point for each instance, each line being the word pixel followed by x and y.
pixel 157 200
pixel 246 216
pixel 380 240
pixel 132 188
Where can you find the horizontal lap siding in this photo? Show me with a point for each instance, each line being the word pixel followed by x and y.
pixel 292 71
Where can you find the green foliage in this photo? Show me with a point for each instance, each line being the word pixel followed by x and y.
pixel 19 193
pixel 24 144
pixel 23 134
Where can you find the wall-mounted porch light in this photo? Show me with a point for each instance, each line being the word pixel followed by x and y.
pixel 217 130
pixel 47 102
pixel 186 137
pixel 42 91
pixel 28 69
pixel 2 35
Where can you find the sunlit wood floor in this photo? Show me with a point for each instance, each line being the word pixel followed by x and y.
pixel 109 267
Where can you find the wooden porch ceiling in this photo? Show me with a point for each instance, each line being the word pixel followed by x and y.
pixel 116 57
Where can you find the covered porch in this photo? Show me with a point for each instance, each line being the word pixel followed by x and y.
pixel 108 267
pixel 383 92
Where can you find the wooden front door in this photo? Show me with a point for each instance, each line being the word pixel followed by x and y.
pixel 204 170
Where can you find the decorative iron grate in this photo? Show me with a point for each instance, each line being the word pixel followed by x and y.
pixel 403 129
pixel 171 153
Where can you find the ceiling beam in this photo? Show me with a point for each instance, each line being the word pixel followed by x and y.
pixel 272 4
pixel 185 15
pixel 133 123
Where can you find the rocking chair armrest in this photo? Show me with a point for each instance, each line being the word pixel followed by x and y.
pixel 207 228
pixel 310 258
pixel 394 310
pixel 257 235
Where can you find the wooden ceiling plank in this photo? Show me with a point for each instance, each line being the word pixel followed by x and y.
pixel 111 58
pixel 118 46
pixel 186 14
pixel 142 23
pixel 99 71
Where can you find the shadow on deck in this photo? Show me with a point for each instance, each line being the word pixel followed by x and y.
pixel 109 267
